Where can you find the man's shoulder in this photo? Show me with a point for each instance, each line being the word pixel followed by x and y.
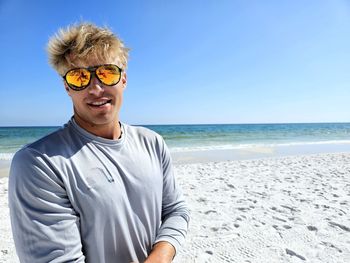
pixel 143 132
pixel 34 161
pixel 47 145
pixel 145 136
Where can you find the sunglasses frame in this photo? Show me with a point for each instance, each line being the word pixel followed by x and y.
pixel 92 70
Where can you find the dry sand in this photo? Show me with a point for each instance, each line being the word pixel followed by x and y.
pixel 288 209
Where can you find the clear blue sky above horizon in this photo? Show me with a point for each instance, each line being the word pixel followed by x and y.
pixel 190 61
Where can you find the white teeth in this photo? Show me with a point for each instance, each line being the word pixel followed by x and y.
pixel 99 103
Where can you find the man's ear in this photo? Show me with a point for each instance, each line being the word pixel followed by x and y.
pixel 124 80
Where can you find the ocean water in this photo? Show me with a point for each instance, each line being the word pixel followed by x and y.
pixel 186 138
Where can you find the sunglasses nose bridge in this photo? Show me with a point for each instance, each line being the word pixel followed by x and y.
pixel 92 72
pixel 93 75
pixel 95 84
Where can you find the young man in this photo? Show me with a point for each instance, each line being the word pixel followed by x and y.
pixel 97 190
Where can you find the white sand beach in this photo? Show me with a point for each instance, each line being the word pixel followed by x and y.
pixel 285 209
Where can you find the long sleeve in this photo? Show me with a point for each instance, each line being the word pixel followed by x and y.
pixel 45 226
pixel 175 213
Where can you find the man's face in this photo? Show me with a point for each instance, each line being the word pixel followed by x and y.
pixel 98 105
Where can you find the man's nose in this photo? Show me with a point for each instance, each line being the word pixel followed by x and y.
pixel 95 87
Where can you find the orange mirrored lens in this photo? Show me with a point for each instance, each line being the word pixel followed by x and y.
pixel 108 74
pixel 78 77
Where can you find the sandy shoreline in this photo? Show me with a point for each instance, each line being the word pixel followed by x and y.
pixel 286 209
pixel 4 168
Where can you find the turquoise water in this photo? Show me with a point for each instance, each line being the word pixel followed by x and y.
pixel 206 137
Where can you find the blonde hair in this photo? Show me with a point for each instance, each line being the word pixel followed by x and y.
pixel 83 42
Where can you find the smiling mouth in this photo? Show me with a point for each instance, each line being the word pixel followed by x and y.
pixel 98 104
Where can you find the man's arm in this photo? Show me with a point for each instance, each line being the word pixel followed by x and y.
pixel 175 213
pixel 162 252
pixel 45 227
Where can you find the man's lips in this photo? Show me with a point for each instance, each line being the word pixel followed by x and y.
pixel 99 103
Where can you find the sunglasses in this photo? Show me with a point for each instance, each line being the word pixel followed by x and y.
pixel 80 78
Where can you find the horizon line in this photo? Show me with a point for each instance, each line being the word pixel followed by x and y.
pixel 184 124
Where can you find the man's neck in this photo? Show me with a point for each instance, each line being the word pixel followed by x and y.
pixel 110 131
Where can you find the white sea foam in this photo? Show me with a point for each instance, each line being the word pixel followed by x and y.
pixel 254 145
pixel 6 156
pixel 9 156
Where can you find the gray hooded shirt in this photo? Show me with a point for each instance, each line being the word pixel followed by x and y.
pixel 76 197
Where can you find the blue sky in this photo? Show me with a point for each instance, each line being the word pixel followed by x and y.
pixel 190 61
